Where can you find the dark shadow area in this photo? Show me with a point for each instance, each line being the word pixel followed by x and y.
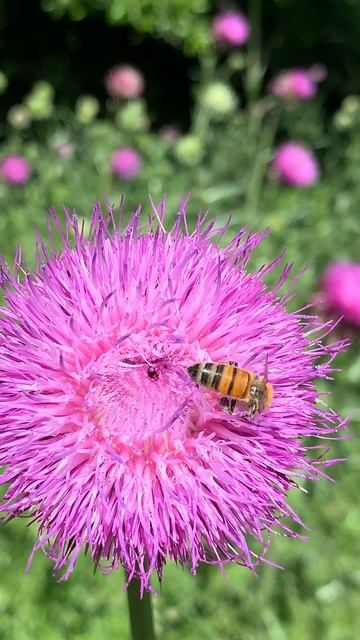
pixel 74 57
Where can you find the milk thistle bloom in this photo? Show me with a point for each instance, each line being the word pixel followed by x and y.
pixel 231 28
pixel 15 170
pixel 295 164
pixel 124 81
pixel 126 163
pixel 298 83
pixel 341 291
pixel 107 442
pixel 294 84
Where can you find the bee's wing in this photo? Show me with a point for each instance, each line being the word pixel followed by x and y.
pixel 266 368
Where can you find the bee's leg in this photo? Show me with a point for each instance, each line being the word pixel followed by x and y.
pixel 253 408
pixel 228 404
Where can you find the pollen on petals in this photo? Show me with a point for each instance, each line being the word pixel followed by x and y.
pixel 106 441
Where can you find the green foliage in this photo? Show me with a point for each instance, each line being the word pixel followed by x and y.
pixel 181 22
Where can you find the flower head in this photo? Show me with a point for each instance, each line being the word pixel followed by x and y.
pixel 126 163
pixel 86 109
pixel 293 84
pixel 295 164
pixel 133 116
pixel 65 149
pixel 318 72
pixel 169 132
pixel 231 28
pixel 124 81
pixel 15 169
pixel 189 150
pixel 19 116
pixel 107 441
pixel 219 99
pixel 297 84
pixel 39 101
pixel 341 289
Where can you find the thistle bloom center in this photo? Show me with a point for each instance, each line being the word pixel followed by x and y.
pixel 129 400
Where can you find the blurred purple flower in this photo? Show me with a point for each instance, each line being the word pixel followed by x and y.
pixel 107 442
pixel 318 72
pixel 341 290
pixel 297 84
pixel 15 169
pixel 65 149
pixel 169 132
pixel 231 28
pixel 126 163
pixel 295 164
pixel 124 81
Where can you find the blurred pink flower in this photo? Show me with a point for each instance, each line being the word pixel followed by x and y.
pixel 295 164
pixel 294 84
pixel 169 132
pixel 341 289
pixel 15 169
pixel 231 28
pixel 126 163
pixel 318 72
pixel 65 149
pixel 124 81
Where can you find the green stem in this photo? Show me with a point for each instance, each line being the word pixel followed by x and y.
pixel 265 137
pixel 140 611
pixel 201 119
pixel 254 71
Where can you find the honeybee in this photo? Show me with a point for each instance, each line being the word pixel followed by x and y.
pixel 234 384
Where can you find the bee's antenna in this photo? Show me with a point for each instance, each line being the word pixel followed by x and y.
pixel 266 369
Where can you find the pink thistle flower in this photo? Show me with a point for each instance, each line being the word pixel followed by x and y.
pixel 294 84
pixel 341 290
pixel 231 28
pixel 295 164
pixel 126 163
pixel 318 72
pixel 107 442
pixel 169 133
pixel 124 81
pixel 65 149
pixel 15 169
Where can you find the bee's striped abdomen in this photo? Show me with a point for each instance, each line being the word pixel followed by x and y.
pixel 234 382
pixel 241 382
pixel 223 378
pixel 204 373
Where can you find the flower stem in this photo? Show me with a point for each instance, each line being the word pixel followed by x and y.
pixel 264 137
pixel 140 610
pixel 254 72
